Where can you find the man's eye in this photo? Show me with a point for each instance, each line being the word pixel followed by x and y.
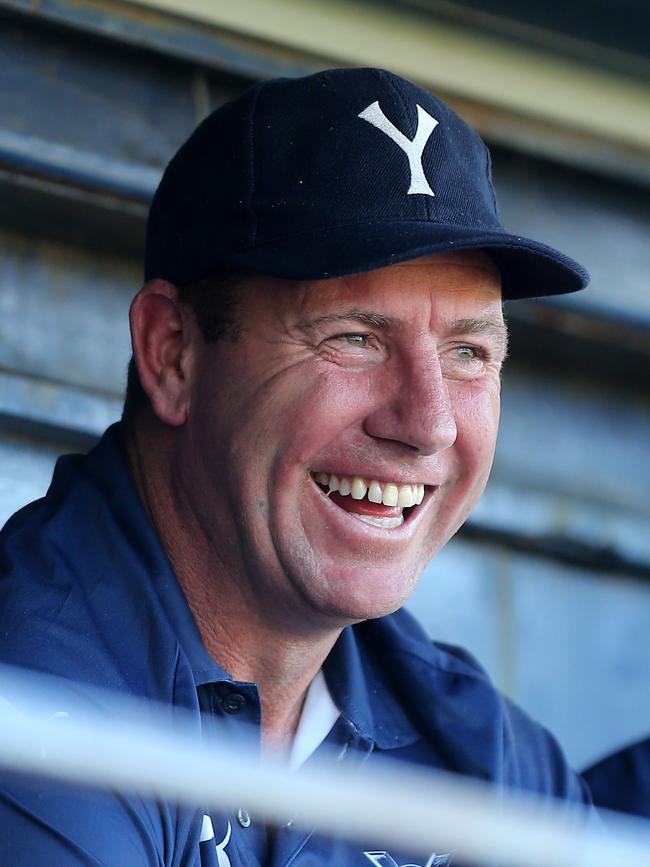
pixel 463 362
pixel 354 349
pixel 359 340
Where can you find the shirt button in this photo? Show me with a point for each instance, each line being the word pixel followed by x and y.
pixel 243 818
pixel 233 703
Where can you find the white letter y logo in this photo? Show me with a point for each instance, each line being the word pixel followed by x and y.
pixel 413 149
pixel 222 858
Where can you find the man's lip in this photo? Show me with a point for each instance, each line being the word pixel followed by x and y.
pixel 354 525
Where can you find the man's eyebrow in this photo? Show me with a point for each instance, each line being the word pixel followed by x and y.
pixel 493 327
pixel 356 314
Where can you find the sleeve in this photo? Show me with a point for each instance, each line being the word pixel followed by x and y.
pixel 621 781
pixel 535 761
pixel 58 824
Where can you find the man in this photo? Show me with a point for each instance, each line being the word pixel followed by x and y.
pixel 310 416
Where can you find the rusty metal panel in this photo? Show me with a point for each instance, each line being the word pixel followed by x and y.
pixel 170 35
pixel 26 470
pixel 74 92
pixel 602 224
pixel 73 416
pixel 572 460
pixel 582 655
pixel 63 313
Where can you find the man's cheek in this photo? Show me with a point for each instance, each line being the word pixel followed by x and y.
pixel 477 419
pixel 331 408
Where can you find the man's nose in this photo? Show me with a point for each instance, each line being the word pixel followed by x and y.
pixel 414 408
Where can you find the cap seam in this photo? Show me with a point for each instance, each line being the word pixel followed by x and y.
pixel 528 244
pixel 378 222
pixel 488 176
pixel 421 202
pixel 251 136
pixel 397 92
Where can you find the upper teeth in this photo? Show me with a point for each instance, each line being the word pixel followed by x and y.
pixel 388 493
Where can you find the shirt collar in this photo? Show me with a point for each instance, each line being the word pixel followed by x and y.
pixel 107 465
pixel 362 690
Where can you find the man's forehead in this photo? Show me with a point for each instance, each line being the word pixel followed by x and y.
pixel 471 258
pixel 427 277
pixel 424 286
pixel 406 294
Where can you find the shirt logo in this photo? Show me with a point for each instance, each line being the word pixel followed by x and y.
pixel 222 859
pixel 207 836
pixel 413 149
pixel 383 859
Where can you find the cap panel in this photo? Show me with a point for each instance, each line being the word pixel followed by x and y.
pixel 201 208
pixel 340 172
pixel 316 161
pixel 405 114
pixel 454 154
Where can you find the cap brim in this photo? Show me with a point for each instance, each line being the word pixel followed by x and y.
pixel 528 269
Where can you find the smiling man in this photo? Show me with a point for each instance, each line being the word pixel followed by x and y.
pixel 311 414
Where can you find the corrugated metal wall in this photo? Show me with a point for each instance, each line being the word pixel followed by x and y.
pixel 548 584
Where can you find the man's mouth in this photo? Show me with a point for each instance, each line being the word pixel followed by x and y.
pixel 382 504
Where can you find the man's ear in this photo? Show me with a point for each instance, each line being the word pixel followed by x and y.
pixel 161 337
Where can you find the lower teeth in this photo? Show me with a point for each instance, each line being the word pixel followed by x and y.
pixel 375 520
pixel 378 521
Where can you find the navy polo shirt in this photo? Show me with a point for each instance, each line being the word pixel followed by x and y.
pixel 87 592
pixel 621 781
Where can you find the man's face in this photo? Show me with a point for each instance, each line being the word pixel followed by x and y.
pixel 381 386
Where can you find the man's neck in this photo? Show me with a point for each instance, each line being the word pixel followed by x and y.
pixel 280 660
pixel 252 650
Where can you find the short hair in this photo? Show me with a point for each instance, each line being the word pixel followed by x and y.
pixel 213 300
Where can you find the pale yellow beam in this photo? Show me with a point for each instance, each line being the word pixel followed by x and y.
pixel 469 65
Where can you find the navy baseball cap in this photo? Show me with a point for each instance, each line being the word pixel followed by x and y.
pixel 340 172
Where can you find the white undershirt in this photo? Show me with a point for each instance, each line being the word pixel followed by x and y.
pixel 319 713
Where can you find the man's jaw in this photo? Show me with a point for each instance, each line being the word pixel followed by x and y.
pixel 382 504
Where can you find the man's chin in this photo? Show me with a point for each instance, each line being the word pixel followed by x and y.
pixel 364 596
